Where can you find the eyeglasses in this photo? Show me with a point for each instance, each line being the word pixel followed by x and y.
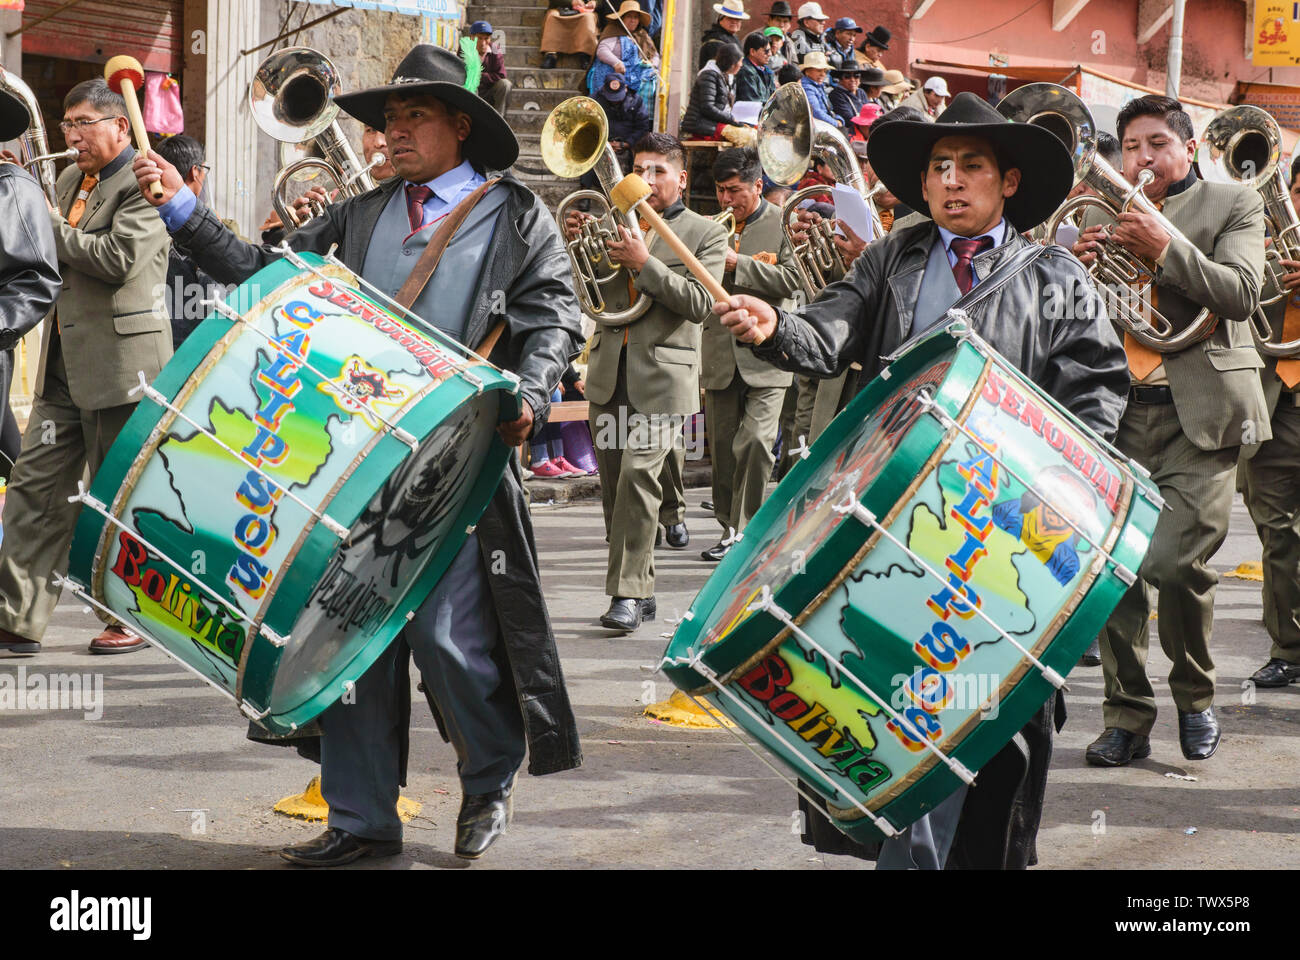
pixel 67 126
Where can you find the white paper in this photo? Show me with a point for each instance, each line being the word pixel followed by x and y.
pixel 1066 235
pixel 746 111
pixel 852 209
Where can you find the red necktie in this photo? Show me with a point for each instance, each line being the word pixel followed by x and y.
pixel 966 250
pixel 416 197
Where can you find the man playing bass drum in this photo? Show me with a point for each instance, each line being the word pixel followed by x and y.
pixel 1190 414
pixel 966 172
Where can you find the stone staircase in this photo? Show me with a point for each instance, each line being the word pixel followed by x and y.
pixel 536 91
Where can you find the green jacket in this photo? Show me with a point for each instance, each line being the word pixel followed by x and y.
pixel 776 284
pixel 663 346
pixel 113 320
pixel 1218 263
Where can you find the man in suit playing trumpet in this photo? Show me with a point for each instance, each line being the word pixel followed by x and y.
pixel 1190 415
pixel 643 378
pixel 743 395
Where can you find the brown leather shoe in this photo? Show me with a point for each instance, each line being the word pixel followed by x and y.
pixel 117 640
pixel 16 644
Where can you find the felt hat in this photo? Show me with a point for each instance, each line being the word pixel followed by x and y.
pixel 878 37
pixel 896 83
pixel 440 73
pixel 814 60
pixel 631 6
pixel 781 9
pixel 731 8
pixel 900 152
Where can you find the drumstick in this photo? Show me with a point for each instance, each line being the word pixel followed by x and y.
pixel 125 75
pixel 630 194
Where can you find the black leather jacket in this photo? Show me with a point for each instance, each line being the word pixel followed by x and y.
pixel 29 264
pixel 1048 321
pixel 544 333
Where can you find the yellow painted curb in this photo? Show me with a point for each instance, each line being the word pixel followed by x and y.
pixel 310 805
pixel 1248 571
pixel 680 710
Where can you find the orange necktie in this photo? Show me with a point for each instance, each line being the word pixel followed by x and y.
pixel 1288 369
pixel 1142 359
pixel 79 205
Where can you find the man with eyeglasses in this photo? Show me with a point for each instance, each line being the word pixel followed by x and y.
pixel 104 329
pixel 643 378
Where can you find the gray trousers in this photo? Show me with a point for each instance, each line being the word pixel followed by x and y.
pixel 1272 491
pixel 1197 486
pixel 672 508
pixel 926 843
pixel 62 444
pixel 743 422
pixel 452 639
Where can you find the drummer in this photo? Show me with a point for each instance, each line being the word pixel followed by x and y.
pixel 482 639
pixel 982 180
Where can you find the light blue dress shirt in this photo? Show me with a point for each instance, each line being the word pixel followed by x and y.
pixel 998 235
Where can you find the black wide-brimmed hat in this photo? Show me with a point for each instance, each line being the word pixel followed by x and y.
pixel 900 151
pixel 441 74
pixel 14 118
pixel 781 9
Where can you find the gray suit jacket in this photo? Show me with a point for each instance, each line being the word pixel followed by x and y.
pixel 774 283
pixel 663 346
pixel 113 320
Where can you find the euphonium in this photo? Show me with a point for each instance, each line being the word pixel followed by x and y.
pixel 1115 268
pixel 1243 145
pixel 292 98
pixel 575 139
pixel 789 140
pixel 36 150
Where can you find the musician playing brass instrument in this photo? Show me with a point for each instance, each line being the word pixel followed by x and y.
pixel 1272 485
pixel 983 180
pixel 1190 414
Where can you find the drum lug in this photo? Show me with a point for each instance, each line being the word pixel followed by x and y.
pixel 1125 574
pixel 252 712
pixel 474 381
pixel 276 639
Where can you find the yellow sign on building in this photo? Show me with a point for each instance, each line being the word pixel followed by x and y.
pixel 1277 33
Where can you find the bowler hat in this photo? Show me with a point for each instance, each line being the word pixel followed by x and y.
pixel 431 70
pixel 900 153
pixel 878 37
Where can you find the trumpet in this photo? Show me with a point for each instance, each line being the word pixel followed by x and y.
pixel 1243 145
pixel 728 219
pixel 1064 114
pixel 788 141
pixel 292 99
pixel 575 139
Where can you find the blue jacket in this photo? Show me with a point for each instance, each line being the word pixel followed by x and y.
pixel 821 107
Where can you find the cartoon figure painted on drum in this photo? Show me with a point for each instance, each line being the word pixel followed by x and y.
pixel 1045 532
pixel 360 389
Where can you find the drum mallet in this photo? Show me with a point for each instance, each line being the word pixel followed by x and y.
pixel 629 195
pixel 125 75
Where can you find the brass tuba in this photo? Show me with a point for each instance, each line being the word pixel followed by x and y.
pixel 575 139
pixel 1243 145
pixel 292 99
pixel 789 140
pixel 1115 269
pixel 36 150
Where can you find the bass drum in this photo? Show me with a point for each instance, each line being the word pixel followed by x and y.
pixel 291 488
pixel 917 586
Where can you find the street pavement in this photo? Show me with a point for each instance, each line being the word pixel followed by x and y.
pixel 164 778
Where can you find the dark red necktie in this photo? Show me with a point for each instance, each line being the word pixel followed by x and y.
pixel 416 197
pixel 966 250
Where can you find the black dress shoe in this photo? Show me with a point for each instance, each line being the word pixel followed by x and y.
pixel 483 817
pixel 1198 734
pixel 1116 747
pixel 16 644
pixel 336 847
pixel 628 613
pixel 1092 656
pixel 677 536
pixel 548 62
pixel 716 552
pixel 706 505
pixel 1276 673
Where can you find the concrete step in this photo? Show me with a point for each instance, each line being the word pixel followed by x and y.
pixel 526 121
pixel 542 89
pixel 505 16
pixel 522 56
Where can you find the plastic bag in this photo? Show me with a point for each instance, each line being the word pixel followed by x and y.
pixel 162 104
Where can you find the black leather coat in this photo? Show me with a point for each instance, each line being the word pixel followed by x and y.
pixel 867 316
pixel 543 334
pixel 1080 362
pixel 29 264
